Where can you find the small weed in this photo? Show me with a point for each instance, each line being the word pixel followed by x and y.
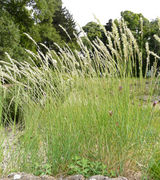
pixel 88 168
pixel 40 170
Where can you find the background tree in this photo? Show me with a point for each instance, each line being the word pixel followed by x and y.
pixel 65 25
pixel 65 19
pixel 138 24
pixel 153 43
pixel 108 25
pixel 143 30
pixel 9 37
pixel 20 16
pixel 93 31
pixel 37 18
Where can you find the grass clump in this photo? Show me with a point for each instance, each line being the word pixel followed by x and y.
pixel 89 107
pixel 98 121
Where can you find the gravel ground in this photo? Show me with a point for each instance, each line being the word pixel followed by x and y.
pixel 8 143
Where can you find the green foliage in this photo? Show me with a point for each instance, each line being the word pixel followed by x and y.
pixel 87 168
pixel 42 169
pixel 9 37
pixel 143 30
pixel 12 109
pixel 83 124
pixel 65 25
pixel 153 43
pixel 21 18
pixel 100 119
pixel 154 167
pixel 140 27
pixel 37 18
pixel 44 10
pixel 108 25
pixel 93 30
pixel 65 19
pixel 133 21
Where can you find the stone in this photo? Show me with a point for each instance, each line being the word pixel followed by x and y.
pixel 17 176
pixel 100 177
pixel 46 177
pixel 74 177
pixel 118 178
pixel 22 176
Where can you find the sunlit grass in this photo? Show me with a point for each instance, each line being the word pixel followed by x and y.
pixel 101 120
pixel 91 106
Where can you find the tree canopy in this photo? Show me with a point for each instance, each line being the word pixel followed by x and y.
pixel 93 30
pixel 40 19
pixel 142 29
pixel 48 22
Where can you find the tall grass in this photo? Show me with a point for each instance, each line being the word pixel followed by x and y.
pixel 83 105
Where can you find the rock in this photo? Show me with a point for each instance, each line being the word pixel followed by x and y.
pixel 74 177
pixel 17 176
pixel 100 177
pixel 46 177
pixel 24 176
pixel 118 178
